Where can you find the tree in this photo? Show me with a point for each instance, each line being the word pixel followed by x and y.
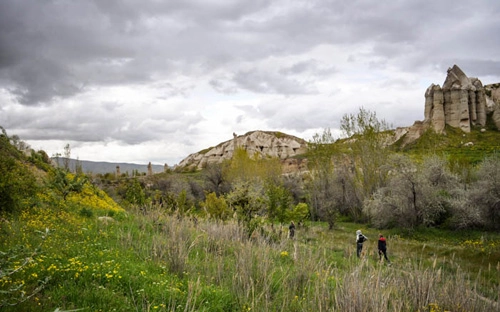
pixel 485 193
pixel 134 193
pixel 322 197
pixel 415 194
pixel 279 201
pixel 215 180
pixel 366 137
pixel 246 199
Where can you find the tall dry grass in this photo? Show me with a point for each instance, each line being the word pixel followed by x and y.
pixel 318 271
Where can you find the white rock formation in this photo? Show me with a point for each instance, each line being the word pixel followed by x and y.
pixel 460 103
pixel 262 143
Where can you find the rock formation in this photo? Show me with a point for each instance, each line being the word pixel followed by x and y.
pixel 493 102
pixel 460 103
pixel 463 102
pixel 262 143
pixel 150 169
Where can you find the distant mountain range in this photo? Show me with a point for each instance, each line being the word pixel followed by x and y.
pixel 106 167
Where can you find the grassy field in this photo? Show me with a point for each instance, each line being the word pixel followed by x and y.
pixel 58 259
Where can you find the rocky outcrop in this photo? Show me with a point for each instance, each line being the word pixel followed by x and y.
pixel 463 102
pixel 262 143
pixel 493 102
pixel 409 134
pixel 460 103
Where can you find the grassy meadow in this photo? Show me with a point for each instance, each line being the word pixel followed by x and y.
pixel 66 258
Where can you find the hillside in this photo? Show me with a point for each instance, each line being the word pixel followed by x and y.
pixel 102 167
pixel 262 143
pixel 471 147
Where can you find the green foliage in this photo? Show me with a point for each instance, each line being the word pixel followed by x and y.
pixel 134 193
pixel 41 160
pixel 215 178
pixel 244 167
pixel 14 260
pixel 182 202
pixel 279 201
pixel 66 183
pixel 86 212
pixel 17 181
pixel 246 199
pixel 299 212
pixel 216 207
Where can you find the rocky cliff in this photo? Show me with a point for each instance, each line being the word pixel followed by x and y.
pixel 262 143
pixel 463 102
pixel 460 103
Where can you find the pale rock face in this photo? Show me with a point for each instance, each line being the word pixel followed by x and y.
pixel 262 143
pixel 461 103
pixel 409 134
pixel 496 117
pixel 493 102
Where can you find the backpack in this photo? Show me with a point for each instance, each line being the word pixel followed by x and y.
pixel 361 239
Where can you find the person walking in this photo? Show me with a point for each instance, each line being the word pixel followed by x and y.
pixel 382 248
pixel 360 239
pixel 291 228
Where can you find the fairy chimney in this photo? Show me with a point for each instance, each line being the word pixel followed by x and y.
pixel 150 169
pixel 460 103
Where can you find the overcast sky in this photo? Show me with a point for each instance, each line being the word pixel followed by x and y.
pixel 154 81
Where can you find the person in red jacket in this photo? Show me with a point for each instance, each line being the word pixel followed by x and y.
pixel 382 248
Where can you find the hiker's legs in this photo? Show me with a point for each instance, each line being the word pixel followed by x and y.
pixel 358 249
pixel 385 256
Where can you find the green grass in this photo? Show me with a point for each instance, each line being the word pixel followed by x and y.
pixel 452 144
pixel 160 262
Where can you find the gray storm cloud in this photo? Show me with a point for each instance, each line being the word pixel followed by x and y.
pixel 61 61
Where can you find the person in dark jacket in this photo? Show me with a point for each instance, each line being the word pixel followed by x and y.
pixel 382 248
pixel 360 239
pixel 292 230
